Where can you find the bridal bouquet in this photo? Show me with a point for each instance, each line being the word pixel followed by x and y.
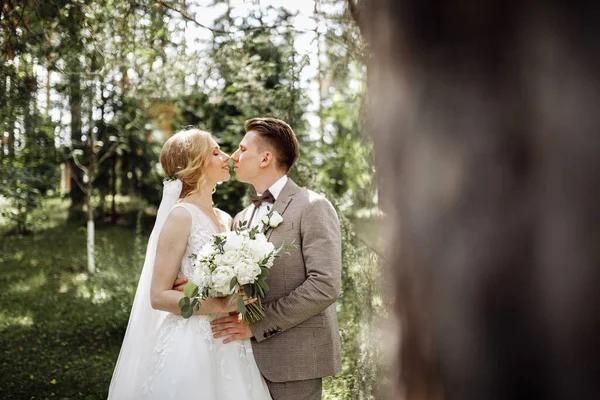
pixel 231 260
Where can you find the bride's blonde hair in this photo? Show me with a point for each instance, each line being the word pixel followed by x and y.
pixel 185 156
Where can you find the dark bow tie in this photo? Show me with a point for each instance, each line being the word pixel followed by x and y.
pixel 266 197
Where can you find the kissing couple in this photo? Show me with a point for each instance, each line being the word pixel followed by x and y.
pixel 214 354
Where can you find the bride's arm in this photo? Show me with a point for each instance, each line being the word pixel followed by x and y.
pixel 170 249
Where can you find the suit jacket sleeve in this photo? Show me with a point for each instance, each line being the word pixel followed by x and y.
pixel 321 250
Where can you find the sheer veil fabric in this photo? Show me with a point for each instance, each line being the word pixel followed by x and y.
pixel 144 322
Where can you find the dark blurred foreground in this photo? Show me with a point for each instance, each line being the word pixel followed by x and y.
pixel 487 136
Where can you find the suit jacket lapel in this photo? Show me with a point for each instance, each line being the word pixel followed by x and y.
pixel 283 200
pixel 243 216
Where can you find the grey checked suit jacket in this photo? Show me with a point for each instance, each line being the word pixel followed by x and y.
pixel 299 338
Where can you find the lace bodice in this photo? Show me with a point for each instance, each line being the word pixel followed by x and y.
pixel 202 229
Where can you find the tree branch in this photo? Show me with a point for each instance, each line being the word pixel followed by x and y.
pixel 80 165
pixel 77 181
pixel 107 154
pixel 188 17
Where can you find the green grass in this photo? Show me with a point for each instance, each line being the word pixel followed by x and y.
pixel 61 329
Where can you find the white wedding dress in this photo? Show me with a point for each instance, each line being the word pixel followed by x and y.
pixel 188 362
pixel 171 357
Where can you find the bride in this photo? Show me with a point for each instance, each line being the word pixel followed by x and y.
pixel 163 355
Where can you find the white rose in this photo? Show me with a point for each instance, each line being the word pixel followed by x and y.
pixel 234 241
pixel 275 220
pixel 230 257
pixel 221 279
pixel 246 272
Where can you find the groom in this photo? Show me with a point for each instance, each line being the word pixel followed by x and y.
pixel 297 342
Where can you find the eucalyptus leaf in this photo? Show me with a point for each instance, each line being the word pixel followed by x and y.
pixel 233 282
pixel 241 307
pixel 189 289
pixel 186 311
pixel 183 302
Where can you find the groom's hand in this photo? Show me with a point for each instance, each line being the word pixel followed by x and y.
pixel 232 327
pixel 179 284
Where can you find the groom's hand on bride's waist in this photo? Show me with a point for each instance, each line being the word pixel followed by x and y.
pixel 232 328
pixel 179 284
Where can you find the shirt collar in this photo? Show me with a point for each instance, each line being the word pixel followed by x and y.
pixel 278 186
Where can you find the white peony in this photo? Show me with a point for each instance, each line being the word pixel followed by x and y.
pixel 260 248
pixel 221 279
pixel 246 272
pixel 218 260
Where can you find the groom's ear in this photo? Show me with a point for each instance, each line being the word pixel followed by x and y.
pixel 267 159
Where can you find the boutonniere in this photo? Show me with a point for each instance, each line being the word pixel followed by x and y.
pixel 271 221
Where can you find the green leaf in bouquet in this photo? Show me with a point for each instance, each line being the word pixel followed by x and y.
pixel 263 285
pixel 233 282
pixel 230 299
pixel 190 290
pixel 183 302
pixel 264 273
pixel 241 307
pixel 196 304
pixel 259 290
pixel 186 311
pixel 248 290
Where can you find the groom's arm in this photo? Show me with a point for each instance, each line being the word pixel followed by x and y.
pixel 321 251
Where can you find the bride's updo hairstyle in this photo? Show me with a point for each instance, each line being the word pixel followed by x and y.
pixel 185 156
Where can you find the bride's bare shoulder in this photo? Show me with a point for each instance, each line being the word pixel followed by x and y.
pixel 179 217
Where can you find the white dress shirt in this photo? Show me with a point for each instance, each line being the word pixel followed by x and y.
pixel 275 190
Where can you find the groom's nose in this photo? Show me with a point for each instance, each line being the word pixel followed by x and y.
pixel 234 156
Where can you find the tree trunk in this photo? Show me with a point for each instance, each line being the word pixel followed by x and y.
pixel 90 232
pixel 75 69
pixel 48 65
pixel 75 99
pixel 113 187
pixel 487 150
pixel 90 206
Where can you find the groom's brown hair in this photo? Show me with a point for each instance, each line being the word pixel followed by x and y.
pixel 278 135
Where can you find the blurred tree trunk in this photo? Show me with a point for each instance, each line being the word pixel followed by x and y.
pixel 74 71
pixel 486 128
pixel 75 102
pixel 113 190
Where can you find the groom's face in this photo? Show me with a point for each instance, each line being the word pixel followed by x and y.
pixel 248 158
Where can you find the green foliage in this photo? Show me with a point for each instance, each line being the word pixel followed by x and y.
pixel 360 309
pixel 61 329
